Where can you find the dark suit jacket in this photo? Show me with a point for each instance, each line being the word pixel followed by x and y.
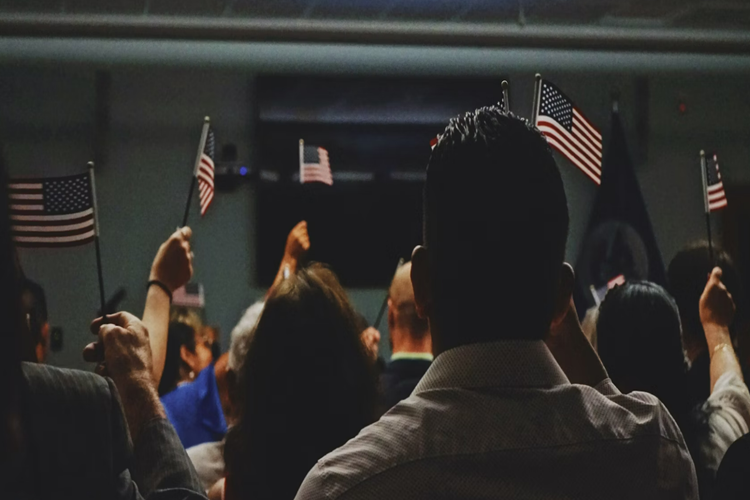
pixel 79 446
pixel 399 379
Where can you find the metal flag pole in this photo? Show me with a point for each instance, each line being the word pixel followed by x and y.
pixel 704 174
pixel 301 159
pixel 506 98
pixel 94 203
pixel 537 98
pixel 383 307
pixel 201 146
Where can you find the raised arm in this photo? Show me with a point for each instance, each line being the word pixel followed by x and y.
pixel 160 466
pixel 172 268
pixel 716 312
pixel 297 245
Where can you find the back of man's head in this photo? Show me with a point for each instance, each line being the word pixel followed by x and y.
pixel 687 276
pixel 495 228
pixel 402 309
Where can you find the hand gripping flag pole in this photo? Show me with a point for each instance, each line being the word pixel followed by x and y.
pixel 201 147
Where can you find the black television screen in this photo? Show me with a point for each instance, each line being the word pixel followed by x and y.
pixel 377 132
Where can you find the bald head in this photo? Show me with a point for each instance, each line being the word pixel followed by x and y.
pixel 406 327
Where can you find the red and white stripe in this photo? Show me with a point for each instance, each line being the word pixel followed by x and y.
pixel 317 172
pixel 206 182
pixel 717 197
pixel 582 146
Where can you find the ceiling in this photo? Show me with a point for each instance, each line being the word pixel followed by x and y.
pixel 699 14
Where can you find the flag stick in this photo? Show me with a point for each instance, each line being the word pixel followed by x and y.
pixel 201 146
pixel 537 92
pixel 301 159
pixel 704 174
pixel 506 98
pixel 383 307
pixel 102 298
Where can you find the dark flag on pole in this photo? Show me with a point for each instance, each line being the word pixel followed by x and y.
pixel 567 130
pixel 52 212
pixel 619 244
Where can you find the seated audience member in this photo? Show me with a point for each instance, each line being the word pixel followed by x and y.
pixel 498 413
pixel 411 343
pixel 638 330
pixel 208 458
pixel 306 387
pixel 686 277
pixel 63 433
pixel 34 304
pixel 188 354
pixel 193 405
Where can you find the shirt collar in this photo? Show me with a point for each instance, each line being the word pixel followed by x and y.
pixel 512 363
pixel 424 356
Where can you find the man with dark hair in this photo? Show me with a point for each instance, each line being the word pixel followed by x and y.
pixel 411 343
pixel 499 414
pixel 687 277
pixel 34 304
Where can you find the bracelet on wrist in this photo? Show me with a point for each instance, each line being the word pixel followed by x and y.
pixel 162 286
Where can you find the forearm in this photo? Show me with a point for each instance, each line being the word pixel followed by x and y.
pixel 287 263
pixel 140 403
pixel 156 319
pixel 723 357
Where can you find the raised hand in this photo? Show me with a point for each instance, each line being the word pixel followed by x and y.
pixel 125 348
pixel 173 264
pixel 716 305
pixel 298 242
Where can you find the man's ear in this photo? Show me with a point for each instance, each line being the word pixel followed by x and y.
pixel 420 281
pixel 564 293
pixel 391 315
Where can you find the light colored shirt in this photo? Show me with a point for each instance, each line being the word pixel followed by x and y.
pixel 424 356
pixel 501 420
pixel 727 413
pixel 208 460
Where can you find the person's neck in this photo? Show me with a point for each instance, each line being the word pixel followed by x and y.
pixel 403 342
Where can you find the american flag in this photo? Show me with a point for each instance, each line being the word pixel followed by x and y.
pixel 206 172
pixel 314 165
pixel 716 198
pixel 569 132
pixel 52 212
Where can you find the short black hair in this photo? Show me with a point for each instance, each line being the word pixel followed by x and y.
pixel 687 276
pixel 638 331
pixel 495 226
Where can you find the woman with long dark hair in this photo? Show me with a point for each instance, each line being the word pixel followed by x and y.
pixel 306 387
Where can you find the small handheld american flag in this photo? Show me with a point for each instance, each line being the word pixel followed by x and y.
pixel 52 212
pixel 314 165
pixel 713 187
pixel 567 130
pixel 206 171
